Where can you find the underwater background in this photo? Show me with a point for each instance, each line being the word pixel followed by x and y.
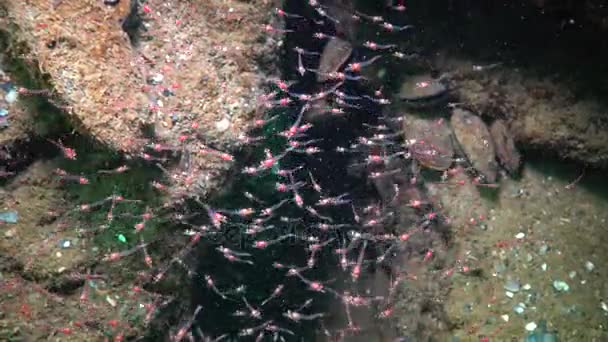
pixel 303 170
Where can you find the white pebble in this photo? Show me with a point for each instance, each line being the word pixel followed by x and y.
pixel 158 78
pixel 11 96
pixel 531 326
pixel 520 236
pixel 110 301
pixel 589 266
pixel 505 318
pixel 222 125
pixel 509 294
pixel 604 306
pixel 527 287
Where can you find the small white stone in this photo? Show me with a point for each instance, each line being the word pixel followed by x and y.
pixel 527 287
pixel 604 306
pixel 110 301
pixel 509 294
pixel 531 326
pixel 61 269
pixel 58 254
pixel 505 318
pixel 520 236
pixel 222 125
pixel 10 233
pixel 589 266
pixel 543 266
pixel 158 78
pixel 11 96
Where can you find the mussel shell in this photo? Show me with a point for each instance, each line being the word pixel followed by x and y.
pixel 335 53
pixel 507 153
pixel 432 141
pixel 474 139
pixel 422 88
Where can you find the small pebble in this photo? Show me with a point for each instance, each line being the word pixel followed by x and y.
pixel 526 287
pixel 58 254
pixel 110 301
pixel 519 308
pixel 222 125
pixel 10 233
pixel 509 294
pixel 11 96
pixel 543 266
pixel 505 318
pixel 520 236
pixel 531 326
pixel 512 285
pixel 65 244
pixel 158 78
pixel 572 274
pixel 604 306
pixel 589 266
pixel 61 269
pixel 561 286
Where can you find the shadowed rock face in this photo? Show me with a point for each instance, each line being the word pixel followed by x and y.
pixel 474 139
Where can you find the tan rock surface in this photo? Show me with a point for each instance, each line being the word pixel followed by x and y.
pixel 203 53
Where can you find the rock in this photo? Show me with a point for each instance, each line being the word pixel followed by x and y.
pixel 531 326
pixel 335 53
pixel 519 308
pixel 512 285
pixel 100 75
pixel 572 126
pixel 507 153
pixel 474 139
pixel 561 286
pixel 430 141
pixel 422 90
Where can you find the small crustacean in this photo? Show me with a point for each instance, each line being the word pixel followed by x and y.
pixel 507 153
pixel 477 145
